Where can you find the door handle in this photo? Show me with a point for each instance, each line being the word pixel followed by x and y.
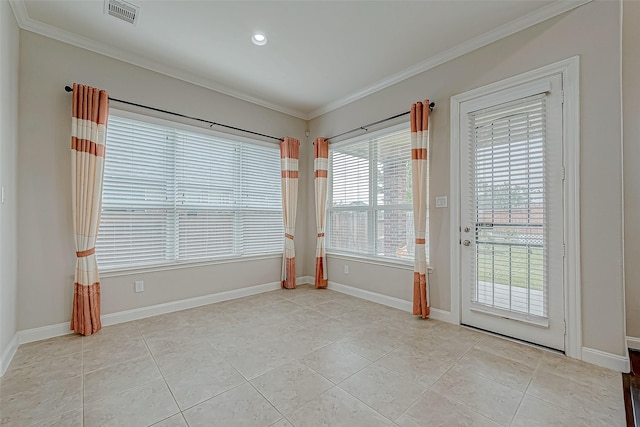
pixel 466 243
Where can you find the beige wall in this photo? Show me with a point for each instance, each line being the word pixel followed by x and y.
pixel 591 31
pixel 631 108
pixel 8 173
pixel 46 249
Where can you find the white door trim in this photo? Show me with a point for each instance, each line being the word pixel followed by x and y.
pixel 570 70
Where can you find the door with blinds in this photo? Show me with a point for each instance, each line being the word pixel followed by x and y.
pixel 511 211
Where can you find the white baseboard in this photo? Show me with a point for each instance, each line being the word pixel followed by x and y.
pixel 44 332
pixel 633 342
pixel 606 360
pixel 442 315
pixel 398 303
pixel 169 307
pixel 51 331
pixel 7 355
pixel 305 280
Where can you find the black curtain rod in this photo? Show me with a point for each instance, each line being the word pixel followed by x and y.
pixel 367 126
pixel 209 122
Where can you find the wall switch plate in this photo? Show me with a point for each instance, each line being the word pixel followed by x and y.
pixel 2 197
pixel 441 202
pixel 139 285
pixel 346 269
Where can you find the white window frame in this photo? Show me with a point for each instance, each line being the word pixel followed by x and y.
pixel 171 265
pixel 570 71
pixel 372 208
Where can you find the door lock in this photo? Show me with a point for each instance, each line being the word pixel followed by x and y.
pixel 466 229
pixel 466 243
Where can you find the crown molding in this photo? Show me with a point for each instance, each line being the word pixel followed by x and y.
pixel 556 8
pixel 27 23
pixel 19 11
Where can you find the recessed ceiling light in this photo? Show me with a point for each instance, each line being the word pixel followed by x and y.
pixel 259 39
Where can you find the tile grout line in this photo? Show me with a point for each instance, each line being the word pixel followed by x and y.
pixel 300 361
pixel 455 363
pixel 553 403
pixel 159 370
pixel 454 400
pixel 371 362
pixel 515 413
pixel 362 369
pixel 108 364
pixel 465 406
pixel 509 360
pixel 524 393
pixel 413 402
pixel 265 398
pixel 284 416
pixel 364 403
pixel 332 343
pixel 224 358
pixel 441 375
pixel 359 370
pixel 182 411
pixel 81 409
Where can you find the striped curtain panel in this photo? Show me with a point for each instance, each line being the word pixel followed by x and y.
pixel 289 155
pixel 90 111
pixel 320 173
pixel 419 144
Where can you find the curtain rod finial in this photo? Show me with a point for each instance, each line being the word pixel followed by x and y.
pixel 68 88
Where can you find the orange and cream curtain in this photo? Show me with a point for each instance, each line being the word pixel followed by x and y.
pixel 320 173
pixel 90 111
pixel 289 155
pixel 419 159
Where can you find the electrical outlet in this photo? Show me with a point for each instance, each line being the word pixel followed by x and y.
pixel 346 269
pixel 441 202
pixel 139 285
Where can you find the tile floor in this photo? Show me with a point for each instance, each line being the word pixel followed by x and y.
pixel 300 358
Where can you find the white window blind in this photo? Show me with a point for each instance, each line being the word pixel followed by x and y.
pixel 508 153
pixel 370 206
pixel 172 195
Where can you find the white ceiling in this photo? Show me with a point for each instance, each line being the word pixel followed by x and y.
pixel 320 54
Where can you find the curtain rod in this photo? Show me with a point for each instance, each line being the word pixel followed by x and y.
pixel 365 127
pixel 209 122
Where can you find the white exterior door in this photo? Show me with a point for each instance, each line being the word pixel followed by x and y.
pixel 511 212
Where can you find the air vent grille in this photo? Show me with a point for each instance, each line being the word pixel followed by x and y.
pixel 122 10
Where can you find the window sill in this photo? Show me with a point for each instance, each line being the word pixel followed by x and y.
pixel 375 261
pixel 126 271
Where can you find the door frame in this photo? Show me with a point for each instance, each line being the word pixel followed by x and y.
pixel 570 70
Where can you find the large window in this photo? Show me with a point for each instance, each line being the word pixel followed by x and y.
pixel 370 205
pixel 173 196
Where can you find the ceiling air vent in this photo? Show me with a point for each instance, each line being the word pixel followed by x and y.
pixel 122 10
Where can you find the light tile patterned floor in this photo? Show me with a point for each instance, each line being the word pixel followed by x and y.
pixel 301 358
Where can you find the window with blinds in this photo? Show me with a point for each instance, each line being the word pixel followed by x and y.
pixel 370 196
pixel 174 196
pixel 508 157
